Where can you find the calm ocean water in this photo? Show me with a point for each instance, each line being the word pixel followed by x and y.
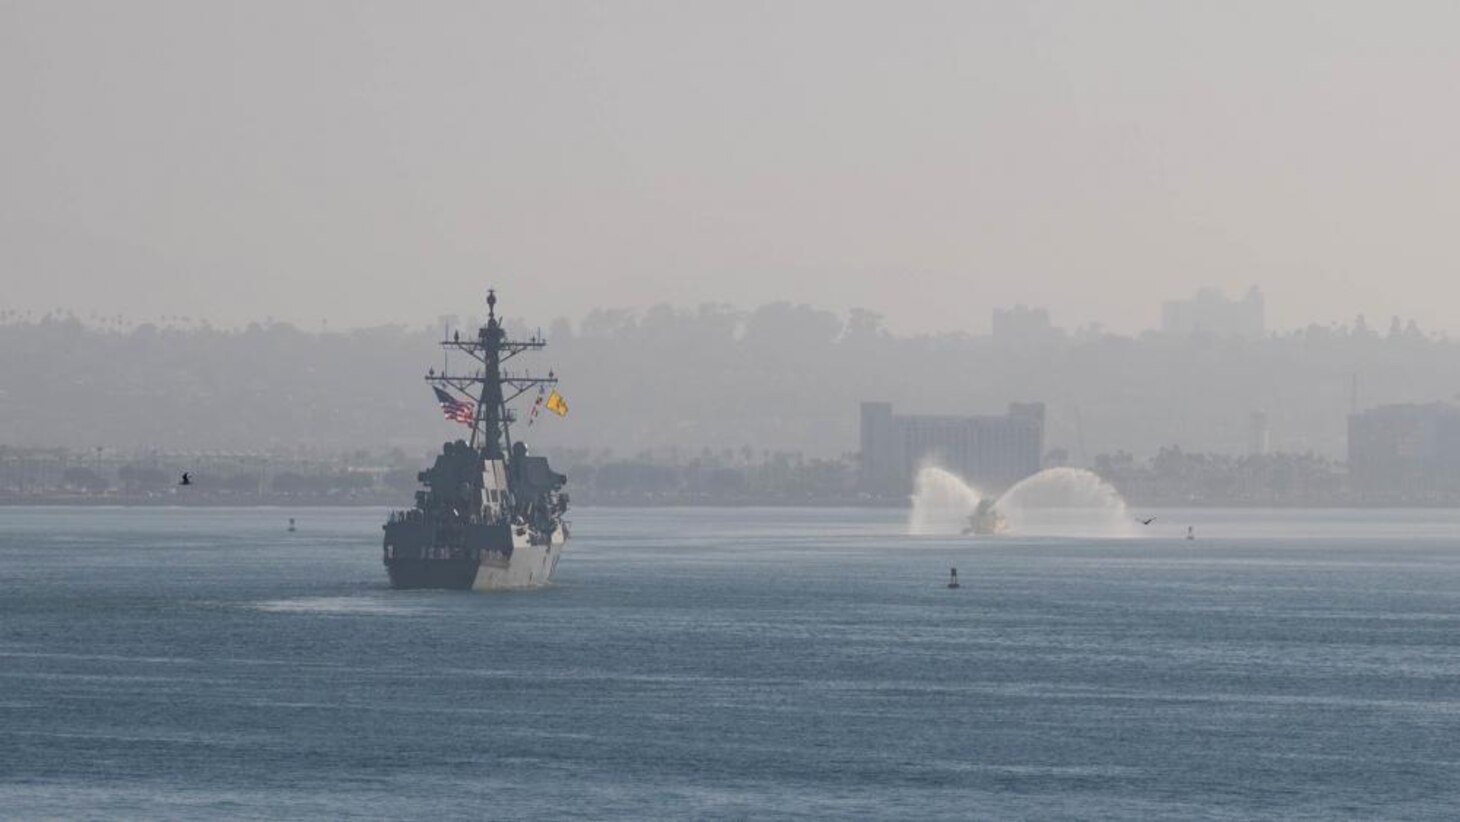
pixel 183 663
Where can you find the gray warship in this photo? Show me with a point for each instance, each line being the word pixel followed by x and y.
pixel 489 515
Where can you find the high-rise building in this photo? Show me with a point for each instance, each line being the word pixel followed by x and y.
pixel 1259 434
pixel 993 452
pixel 1210 312
pixel 1409 452
pixel 1022 325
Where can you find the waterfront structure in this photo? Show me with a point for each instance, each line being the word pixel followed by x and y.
pixel 992 452
pixel 1405 452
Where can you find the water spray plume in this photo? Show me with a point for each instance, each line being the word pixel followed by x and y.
pixel 1055 501
pixel 1066 502
pixel 941 502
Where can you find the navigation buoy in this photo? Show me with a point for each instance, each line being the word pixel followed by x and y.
pixel 1190 532
pixel 952 577
pixel 291 524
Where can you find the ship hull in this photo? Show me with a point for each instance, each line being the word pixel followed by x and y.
pixel 510 561
pixel 529 566
pixel 455 575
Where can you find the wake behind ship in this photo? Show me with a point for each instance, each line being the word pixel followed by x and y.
pixel 489 516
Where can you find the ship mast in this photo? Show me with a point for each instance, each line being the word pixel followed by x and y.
pixel 493 388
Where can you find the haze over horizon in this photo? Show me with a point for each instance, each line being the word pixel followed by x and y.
pixel 368 163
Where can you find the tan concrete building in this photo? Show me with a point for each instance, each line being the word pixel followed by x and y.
pixel 993 452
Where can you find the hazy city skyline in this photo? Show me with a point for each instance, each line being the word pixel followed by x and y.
pixel 372 163
pixel 1029 323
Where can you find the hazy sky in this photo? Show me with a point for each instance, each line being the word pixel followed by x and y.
pixel 373 162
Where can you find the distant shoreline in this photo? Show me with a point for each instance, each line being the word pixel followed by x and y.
pixel 395 503
pixel 198 501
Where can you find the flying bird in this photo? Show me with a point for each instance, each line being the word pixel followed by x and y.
pixel 187 479
pixel 1146 521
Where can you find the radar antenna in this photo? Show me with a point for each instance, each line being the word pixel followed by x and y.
pixel 493 388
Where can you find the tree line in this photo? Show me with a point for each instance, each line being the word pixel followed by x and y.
pixel 778 378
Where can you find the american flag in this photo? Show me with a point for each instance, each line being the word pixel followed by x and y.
pixel 454 409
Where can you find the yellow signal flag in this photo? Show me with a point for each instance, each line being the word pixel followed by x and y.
pixel 556 404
